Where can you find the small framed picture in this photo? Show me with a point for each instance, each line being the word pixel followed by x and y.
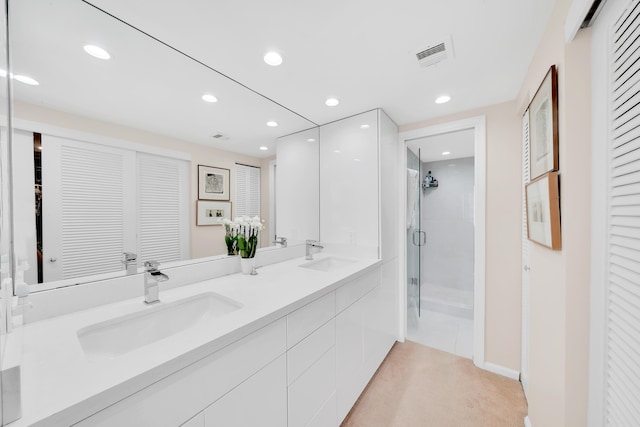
pixel 543 211
pixel 543 127
pixel 212 213
pixel 213 183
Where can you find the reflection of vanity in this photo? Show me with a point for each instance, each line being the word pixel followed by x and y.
pixel 295 330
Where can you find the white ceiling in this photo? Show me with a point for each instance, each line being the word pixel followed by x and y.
pixel 459 144
pixel 362 52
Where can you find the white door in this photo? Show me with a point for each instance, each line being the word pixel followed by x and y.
pixel 88 206
pixel 526 262
pixel 615 306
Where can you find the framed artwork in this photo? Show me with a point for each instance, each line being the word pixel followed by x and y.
pixel 543 127
pixel 212 213
pixel 543 211
pixel 213 183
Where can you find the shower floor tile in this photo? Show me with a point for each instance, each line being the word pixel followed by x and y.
pixel 443 332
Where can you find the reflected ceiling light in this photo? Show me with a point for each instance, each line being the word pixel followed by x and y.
pixel 337 151
pixel 356 160
pixel 365 127
pixel 3 73
pixel 311 140
pixel 96 52
pixel 446 153
pixel 443 99
pixel 263 148
pixel 272 124
pixel 209 98
pixel 273 58
pixel 26 80
pixel 332 102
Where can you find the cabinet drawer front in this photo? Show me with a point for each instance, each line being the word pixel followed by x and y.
pixel 312 389
pixel 326 416
pixel 176 398
pixel 352 292
pixel 307 319
pixel 310 350
pixel 259 401
pixel 197 421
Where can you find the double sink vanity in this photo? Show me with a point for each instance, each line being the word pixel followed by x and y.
pixel 294 345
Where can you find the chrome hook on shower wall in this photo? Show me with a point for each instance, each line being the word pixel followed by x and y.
pixel 429 182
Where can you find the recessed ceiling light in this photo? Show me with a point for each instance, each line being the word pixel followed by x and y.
pixel 96 52
pixel 311 140
pixel 332 102
pixel 365 127
pixel 209 98
pixel 273 58
pixel 263 148
pixel 443 99
pixel 446 153
pixel 26 80
pixel 272 124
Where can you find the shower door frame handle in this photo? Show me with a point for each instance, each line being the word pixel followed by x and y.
pixel 421 234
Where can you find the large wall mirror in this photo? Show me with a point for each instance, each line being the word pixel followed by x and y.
pixel 106 151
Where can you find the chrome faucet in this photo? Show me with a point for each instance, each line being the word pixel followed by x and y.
pixel 309 249
pixel 130 262
pixel 152 276
pixel 281 240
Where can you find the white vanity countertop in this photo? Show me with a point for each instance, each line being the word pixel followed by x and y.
pixel 60 386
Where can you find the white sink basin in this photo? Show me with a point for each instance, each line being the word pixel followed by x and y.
pixel 327 264
pixel 114 337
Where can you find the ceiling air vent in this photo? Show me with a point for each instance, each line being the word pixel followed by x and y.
pixel 220 136
pixel 435 53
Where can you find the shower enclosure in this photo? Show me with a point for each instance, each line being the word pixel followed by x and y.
pixel 415 236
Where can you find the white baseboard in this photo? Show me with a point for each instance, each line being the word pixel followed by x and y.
pixel 527 421
pixel 501 370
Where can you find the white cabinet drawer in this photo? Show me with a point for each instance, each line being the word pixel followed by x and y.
pixel 352 292
pixel 259 401
pixel 307 319
pixel 326 416
pixel 312 389
pixel 197 421
pixel 176 398
pixel 310 350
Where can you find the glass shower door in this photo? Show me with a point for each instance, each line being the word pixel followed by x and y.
pixel 414 235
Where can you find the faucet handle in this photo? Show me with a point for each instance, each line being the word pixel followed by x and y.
pixel 129 257
pixel 151 265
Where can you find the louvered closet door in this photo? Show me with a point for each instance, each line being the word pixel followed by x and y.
pixel 163 208
pixel 88 208
pixel 622 397
pixel 247 191
pixel 526 249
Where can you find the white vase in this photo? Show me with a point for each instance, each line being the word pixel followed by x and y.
pixel 247 265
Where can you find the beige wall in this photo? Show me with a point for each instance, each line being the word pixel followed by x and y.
pixel 503 230
pixel 205 240
pixel 559 298
pixel 558 367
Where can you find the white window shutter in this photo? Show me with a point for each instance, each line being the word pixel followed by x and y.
pixel 163 208
pixel 247 191
pixel 622 395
